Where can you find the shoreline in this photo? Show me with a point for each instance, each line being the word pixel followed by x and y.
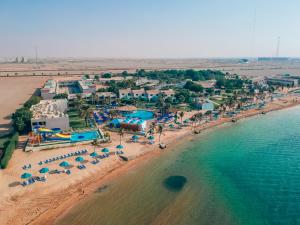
pixel 79 191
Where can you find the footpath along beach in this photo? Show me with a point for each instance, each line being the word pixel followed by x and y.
pixel 42 203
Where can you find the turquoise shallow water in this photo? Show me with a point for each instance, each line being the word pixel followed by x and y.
pixel 247 173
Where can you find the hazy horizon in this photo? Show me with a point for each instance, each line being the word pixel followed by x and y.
pixel 135 29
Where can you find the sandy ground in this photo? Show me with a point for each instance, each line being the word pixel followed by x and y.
pixel 62 66
pixel 42 203
pixel 14 91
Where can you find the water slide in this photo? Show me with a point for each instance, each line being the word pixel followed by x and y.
pixel 63 136
pixel 55 133
pixel 46 130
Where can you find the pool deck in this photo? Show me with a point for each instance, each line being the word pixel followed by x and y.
pixel 61 144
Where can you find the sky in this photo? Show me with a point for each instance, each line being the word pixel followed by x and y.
pixel 149 28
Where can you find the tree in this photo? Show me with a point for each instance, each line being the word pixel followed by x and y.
pixel 96 77
pixel 95 143
pixel 121 134
pixel 61 96
pixel 106 75
pixel 190 85
pixel 160 131
pixel 181 114
pixel 86 76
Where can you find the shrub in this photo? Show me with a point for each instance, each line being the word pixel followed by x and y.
pixel 9 148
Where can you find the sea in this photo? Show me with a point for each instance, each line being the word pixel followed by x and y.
pixel 247 173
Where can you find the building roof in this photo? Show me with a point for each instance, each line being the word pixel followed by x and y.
pixel 140 91
pixel 128 90
pixel 168 92
pixel 106 94
pixel 207 83
pixel 153 92
pixel 49 109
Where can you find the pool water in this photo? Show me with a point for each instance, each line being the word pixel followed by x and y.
pixel 141 114
pixel 85 136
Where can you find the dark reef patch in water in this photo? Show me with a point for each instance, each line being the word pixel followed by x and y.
pixel 102 189
pixel 175 183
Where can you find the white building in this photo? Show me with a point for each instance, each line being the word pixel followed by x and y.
pixel 139 93
pixel 50 114
pixel 125 93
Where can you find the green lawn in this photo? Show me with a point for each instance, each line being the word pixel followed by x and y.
pixel 76 122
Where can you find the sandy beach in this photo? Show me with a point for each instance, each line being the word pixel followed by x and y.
pixel 42 203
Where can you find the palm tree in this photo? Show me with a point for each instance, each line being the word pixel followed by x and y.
pixel 160 131
pixel 85 113
pixel 176 117
pixel 95 143
pixel 208 113
pixel 181 114
pixel 121 133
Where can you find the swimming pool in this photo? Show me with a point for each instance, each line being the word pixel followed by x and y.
pixel 141 114
pixel 85 136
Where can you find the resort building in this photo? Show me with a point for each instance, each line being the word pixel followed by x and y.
pixel 169 94
pixel 139 93
pixel 288 82
pixel 71 87
pixel 125 93
pixel 204 104
pixel 49 90
pixel 50 114
pixel 207 84
pixel 152 95
pixel 108 80
pixel 146 82
pixel 103 96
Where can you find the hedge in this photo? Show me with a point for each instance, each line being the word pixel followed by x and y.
pixel 9 148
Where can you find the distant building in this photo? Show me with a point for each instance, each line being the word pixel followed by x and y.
pixel 273 59
pixel 71 87
pixel 50 114
pixel 288 82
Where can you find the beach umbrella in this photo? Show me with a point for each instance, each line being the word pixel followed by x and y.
pixel 120 147
pixel 151 137
pixel 26 175
pixel 105 150
pixel 93 154
pixel 186 121
pixel 44 170
pixel 171 125
pixel 64 164
pixel 135 137
pixel 79 159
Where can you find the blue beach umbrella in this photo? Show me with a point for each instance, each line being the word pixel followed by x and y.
pixel 79 159
pixel 135 137
pixel 151 137
pixel 105 150
pixel 26 175
pixel 120 147
pixel 93 154
pixel 64 164
pixel 44 170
